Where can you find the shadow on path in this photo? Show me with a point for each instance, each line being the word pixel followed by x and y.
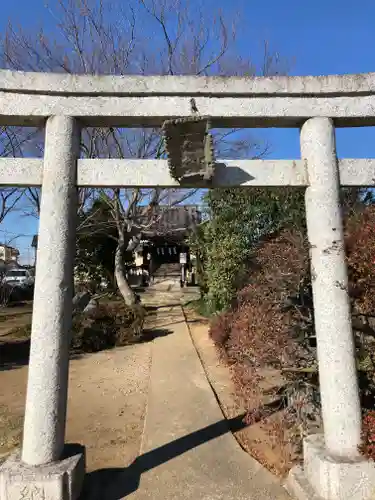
pixel 149 334
pixel 117 483
pixel 14 353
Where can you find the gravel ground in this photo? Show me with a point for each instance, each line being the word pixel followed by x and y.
pixel 107 402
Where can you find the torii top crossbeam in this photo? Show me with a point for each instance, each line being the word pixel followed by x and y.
pixel 127 101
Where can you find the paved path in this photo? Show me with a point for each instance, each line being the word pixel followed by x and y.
pixel 187 450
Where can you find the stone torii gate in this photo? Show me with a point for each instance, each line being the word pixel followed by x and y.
pixel 333 468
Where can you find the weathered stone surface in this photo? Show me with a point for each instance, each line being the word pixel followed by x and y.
pixel 45 412
pixel 230 101
pixel 332 312
pixel 151 111
pixel 189 85
pixel 152 173
pixel 327 478
pixel 60 480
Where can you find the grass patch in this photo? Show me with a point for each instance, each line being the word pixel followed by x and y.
pixel 200 306
pixel 20 332
pixel 10 432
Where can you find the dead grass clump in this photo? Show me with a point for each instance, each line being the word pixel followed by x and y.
pixel 10 432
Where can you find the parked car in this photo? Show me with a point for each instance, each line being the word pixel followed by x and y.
pixel 19 277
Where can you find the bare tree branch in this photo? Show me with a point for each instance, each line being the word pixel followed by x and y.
pixel 9 198
pixel 145 37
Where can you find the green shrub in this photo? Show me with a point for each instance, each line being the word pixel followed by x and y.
pixel 107 327
pixel 238 220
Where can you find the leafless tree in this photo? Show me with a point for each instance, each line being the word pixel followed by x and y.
pixel 164 37
pixel 9 197
pixel 11 145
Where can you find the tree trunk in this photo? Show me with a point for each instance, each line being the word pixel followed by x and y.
pixel 122 283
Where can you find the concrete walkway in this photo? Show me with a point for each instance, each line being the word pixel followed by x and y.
pixel 187 450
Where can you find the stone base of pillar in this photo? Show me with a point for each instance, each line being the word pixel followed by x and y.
pixel 325 478
pixel 61 480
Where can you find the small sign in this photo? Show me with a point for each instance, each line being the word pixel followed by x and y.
pixel 183 258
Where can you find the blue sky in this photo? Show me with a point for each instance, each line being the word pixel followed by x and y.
pixel 320 37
